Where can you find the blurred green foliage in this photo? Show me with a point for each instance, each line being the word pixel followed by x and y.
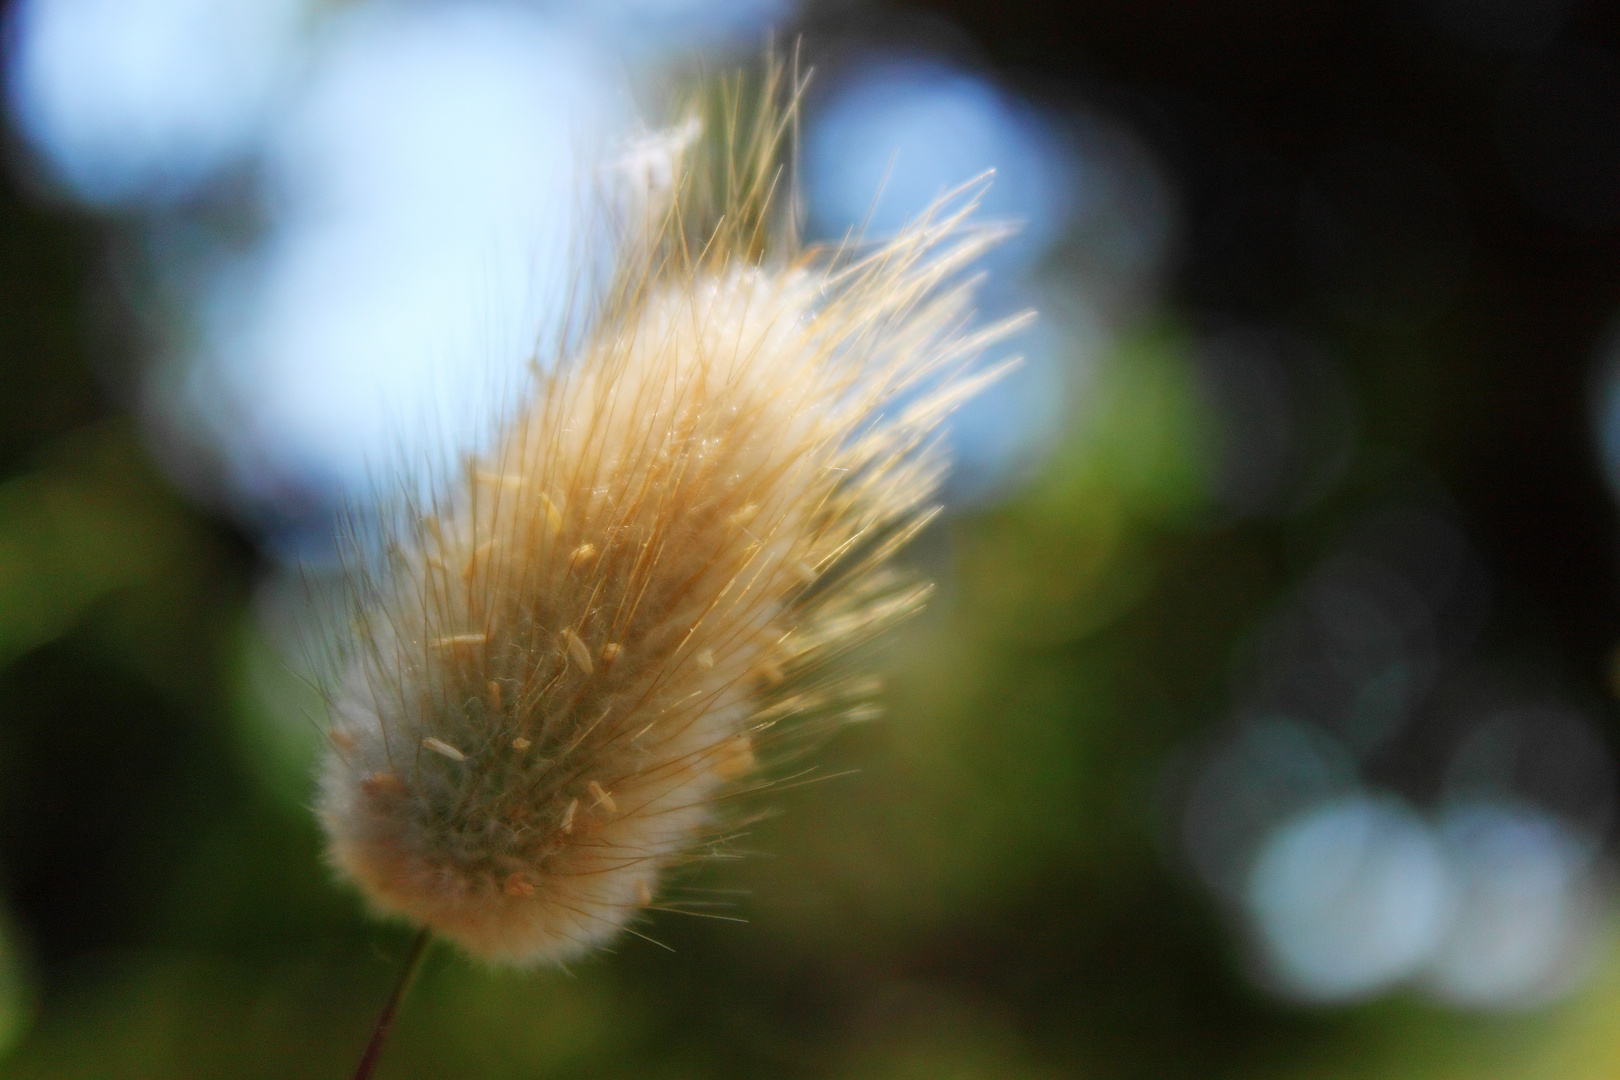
pixel 975 886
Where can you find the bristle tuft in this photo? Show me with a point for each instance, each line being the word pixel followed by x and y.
pixel 601 626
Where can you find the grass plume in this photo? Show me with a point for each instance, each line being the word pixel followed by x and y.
pixel 593 633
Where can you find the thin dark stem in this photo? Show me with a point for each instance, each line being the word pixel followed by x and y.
pixel 385 1021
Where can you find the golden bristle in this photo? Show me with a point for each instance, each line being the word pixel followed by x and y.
pixel 689 517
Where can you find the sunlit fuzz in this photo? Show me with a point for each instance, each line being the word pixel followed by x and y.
pixel 572 654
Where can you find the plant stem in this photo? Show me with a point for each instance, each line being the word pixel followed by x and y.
pixel 385 1020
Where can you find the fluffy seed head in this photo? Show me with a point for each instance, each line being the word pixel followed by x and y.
pixel 569 654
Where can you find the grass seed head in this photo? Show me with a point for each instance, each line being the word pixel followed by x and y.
pixel 586 640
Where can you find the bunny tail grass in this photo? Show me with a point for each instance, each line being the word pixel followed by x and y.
pixel 588 639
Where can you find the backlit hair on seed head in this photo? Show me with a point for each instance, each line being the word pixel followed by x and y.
pixel 590 635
